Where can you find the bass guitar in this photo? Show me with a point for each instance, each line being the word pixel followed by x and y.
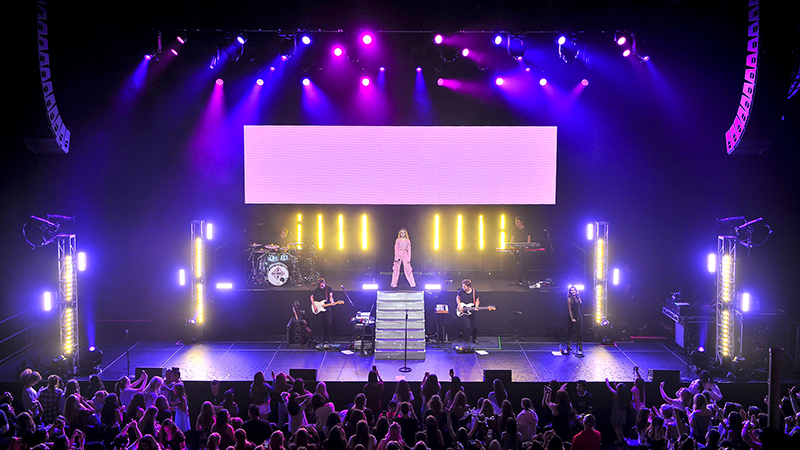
pixel 468 308
pixel 319 307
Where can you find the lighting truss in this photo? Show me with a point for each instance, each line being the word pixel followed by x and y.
pixel 600 273
pixel 726 294
pixel 199 281
pixel 68 299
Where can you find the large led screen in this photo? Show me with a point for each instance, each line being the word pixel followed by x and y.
pixel 408 165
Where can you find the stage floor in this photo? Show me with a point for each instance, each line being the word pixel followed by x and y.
pixel 529 361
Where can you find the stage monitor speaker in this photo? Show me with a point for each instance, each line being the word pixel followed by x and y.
pixel 503 375
pixel 672 378
pixel 151 372
pixel 305 374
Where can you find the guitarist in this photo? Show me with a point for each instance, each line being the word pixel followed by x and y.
pixel 323 293
pixel 464 296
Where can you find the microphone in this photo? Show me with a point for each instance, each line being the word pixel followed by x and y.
pixel 747 224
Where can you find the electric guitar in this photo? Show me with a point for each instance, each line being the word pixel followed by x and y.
pixel 468 308
pixel 319 307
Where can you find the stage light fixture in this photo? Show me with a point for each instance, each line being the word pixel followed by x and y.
pixel 459 231
pixel 209 231
pixel 366 39
pixel 300 231
pixel 481 242
pixel 528 69
pixel 287 47
pixel 365 81
pixel 579 287
pixel 182 37
pixel 745 302
pixel 502 231
pixel 433 287
pixel 306 39
pixel 369 286
pixel 319 231
pixel 364 242
pixel 94 357
pixel 174 51
pixel 590 231
pixel 585 82
pixel 306 82
pixel 499 81
pixel 542 82
pixel 81 261
pixel 260 82
pixel 567 50
pixel 615 277
pixel 272 68
pixel 338 51
pixel 382 69
pixel 148 57
pixel 200 293
pixel 711 262
pixel 241 38
pixel 224 286
pixel 219 82
pixel 418 69
pixel 465 52
pixel 562 40
pixel 438 39
pixel 341 232
pixel 626 52
pixel 48 301
pixel 498 39
pixel 440 81
pixel 436 232
pixel 182 277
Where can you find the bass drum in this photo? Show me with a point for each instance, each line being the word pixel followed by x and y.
pixel 277 274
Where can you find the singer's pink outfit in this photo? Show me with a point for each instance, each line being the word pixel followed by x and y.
pixel 402 253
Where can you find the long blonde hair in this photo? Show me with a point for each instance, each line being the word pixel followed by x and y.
pixel 401 230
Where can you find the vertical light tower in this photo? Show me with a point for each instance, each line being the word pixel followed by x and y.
pixel 600 274
pixel 68 299
pixel 199 281
pixel 726 292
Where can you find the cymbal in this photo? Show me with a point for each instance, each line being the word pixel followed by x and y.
pixel 253 245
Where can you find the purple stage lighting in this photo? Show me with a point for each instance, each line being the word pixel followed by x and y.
pixel 527 69
pixel 260 82
pixel 499 81
pixel 419 69
pixel 305 40
pixel 465 52
pixel 306 81
pixel 701 349
pixel 219 82
pixel 284 57
pixel 272 69
pixel 241 39
pixel 519 58
pixel 382 69
pixel 148 57
pixel 365 81
pixel 366 39
pixel 645 58
pixel 542 82
pixel 498 40
pixel 562 40
pixel 626 53
pixel 622 40
pixel 440 81
pixel 181 39
pixel 438 39
pixel 585 82
pixel 337 51
pixel 174 52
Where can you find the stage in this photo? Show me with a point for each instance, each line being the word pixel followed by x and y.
pixel 528 361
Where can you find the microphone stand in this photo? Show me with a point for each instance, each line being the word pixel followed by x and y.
pixel 405 368
pixel 346 294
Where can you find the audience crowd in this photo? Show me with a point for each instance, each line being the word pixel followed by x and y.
pixel 153 414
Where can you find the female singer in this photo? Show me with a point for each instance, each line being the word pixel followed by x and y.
pixel 574 322
pixel 402 254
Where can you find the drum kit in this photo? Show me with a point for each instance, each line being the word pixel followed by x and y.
pixel 273 265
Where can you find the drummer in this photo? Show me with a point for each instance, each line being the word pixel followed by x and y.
pixel 284 240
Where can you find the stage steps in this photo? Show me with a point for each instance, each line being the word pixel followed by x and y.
pixel 390 323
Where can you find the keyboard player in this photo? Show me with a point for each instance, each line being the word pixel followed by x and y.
pixel 521 234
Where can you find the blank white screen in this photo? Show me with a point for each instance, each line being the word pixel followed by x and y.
pixel 409 165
